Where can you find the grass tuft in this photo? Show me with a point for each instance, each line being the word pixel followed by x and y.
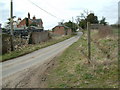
pixel 72 69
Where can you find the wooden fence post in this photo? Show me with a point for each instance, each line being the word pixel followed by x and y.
pixel 89 42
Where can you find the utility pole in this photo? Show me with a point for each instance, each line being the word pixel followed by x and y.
pixel 11 16
pixel 89 42
pixel 11 23
pixel 72 23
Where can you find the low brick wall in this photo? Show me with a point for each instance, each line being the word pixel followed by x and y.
pixel 6 45
pixel 38 37
pixel 18 43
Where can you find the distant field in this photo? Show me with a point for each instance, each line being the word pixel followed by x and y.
pixel 71 69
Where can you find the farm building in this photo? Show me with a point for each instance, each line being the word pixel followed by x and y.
pixel 62 30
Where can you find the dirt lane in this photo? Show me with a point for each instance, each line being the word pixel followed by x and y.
pixel 33 77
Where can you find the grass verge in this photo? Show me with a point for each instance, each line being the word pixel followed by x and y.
pixel 73 71
pixel 30 48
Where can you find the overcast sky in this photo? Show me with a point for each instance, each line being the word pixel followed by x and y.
pixel 62 9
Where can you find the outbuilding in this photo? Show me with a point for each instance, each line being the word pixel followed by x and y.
pixel 61 30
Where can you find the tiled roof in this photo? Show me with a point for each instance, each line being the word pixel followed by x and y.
pixel 36 20
pixel 61 26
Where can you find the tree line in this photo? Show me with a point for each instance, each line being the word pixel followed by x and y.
pixel 82 21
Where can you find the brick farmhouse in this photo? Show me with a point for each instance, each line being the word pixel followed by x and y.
pixel 31 22
pixel 62 30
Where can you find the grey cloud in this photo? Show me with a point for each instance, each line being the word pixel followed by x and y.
pixel 110 11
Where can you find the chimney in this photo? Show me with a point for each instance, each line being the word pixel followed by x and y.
pixel 28 15
pixel 34 17
pixel 19 18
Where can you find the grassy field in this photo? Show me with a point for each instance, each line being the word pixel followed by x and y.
pixel 71 69
pixel 30 48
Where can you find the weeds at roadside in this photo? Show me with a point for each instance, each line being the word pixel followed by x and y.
pixel 73 71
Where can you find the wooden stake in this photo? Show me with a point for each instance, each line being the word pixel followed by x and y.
pixel 89 43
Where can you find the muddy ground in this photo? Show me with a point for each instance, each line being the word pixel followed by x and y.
pixel 34 77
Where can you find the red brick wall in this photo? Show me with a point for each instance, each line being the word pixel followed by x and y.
pixel 59 30
pixel 23 23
